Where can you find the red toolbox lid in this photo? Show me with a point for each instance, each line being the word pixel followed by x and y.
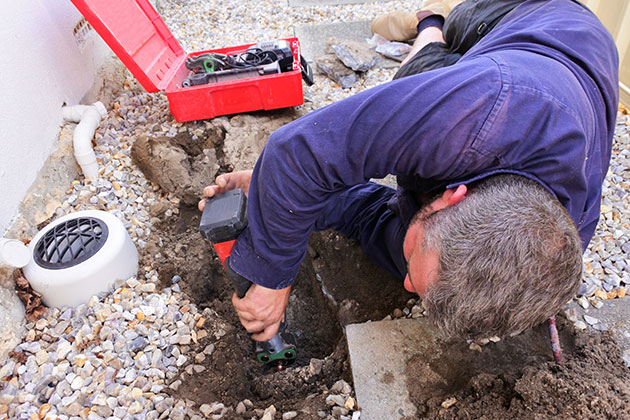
pixel 138 36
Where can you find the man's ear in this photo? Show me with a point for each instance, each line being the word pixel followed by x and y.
pixel 449 198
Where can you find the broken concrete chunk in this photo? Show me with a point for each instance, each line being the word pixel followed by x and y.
pixel 336 71
pixel 356 55
pixel 175 166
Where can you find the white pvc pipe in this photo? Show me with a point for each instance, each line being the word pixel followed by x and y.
pixel 88 117
pixel 14 253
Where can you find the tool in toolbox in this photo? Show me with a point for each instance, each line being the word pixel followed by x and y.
pixel 258 60
pixel 223 219
pixel 140 38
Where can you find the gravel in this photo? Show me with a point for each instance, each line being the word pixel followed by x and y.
pixel 115 356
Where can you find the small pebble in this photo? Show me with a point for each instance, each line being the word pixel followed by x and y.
pixel 240 408
pixel 475 347
pixel 449 402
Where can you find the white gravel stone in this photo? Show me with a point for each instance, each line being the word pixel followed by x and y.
pixel 342 387
pixel 240 408
pixel 335 399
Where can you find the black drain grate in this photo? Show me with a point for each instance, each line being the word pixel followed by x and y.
pixel 70 243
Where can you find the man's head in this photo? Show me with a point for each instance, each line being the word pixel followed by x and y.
pixel 503 259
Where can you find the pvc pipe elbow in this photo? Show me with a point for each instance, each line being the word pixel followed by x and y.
pixel 100 108
pixel 74 113
pixel 14 253
pixel 88 117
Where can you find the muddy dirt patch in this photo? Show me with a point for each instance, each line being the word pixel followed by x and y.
pixel 336 284
pixel 516 378
pixel 316 314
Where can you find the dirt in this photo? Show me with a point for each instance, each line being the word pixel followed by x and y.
pixel 516 378
pixel 338 285
pixel 184 164
pixel 315 317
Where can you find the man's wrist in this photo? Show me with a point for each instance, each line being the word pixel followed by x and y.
pixel 435 21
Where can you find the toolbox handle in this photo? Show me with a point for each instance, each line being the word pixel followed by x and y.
pixel 307 71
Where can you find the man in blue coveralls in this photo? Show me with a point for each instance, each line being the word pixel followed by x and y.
pixel 500 135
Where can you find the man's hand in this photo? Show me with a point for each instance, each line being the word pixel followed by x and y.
pixel 227 182
pixel 262 310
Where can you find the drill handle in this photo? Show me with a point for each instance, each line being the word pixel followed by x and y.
pixel 241 284
pixel 224 249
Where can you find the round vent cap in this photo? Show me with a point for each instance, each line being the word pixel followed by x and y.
pixel 70 243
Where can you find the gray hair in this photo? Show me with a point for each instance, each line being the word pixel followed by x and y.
pixel 510 257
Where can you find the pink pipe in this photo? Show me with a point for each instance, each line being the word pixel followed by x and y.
pixel 555 340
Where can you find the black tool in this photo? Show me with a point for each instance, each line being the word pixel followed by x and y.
pixel 207 62
pixel 258 60
pixel 202 78
pixel 223 219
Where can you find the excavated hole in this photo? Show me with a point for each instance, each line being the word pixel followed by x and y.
pixel 336 285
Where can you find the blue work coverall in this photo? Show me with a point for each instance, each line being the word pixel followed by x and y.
pixel 537 96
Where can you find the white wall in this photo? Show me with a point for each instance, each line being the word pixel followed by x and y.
pixel 42 66
pixel 615 15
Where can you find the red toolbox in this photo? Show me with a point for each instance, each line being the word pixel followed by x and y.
pixel 143 42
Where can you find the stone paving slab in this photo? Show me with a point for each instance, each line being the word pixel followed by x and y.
pixel 379 352
pixel 313 38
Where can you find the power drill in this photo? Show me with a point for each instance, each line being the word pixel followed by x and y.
pixel 224 218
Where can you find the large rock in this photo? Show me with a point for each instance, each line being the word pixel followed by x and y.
pixel 330 65
pixel 178 165
pixel 356 55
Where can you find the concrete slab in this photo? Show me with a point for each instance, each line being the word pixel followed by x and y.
pixel 379 352
pixel 313 38
pixel 47 192
pixel 309 3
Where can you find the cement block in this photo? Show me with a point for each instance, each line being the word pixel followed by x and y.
pixel 379 352
pixel 313 38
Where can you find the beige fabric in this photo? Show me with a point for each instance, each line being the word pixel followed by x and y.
pixel 396 26
pixel 401 25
